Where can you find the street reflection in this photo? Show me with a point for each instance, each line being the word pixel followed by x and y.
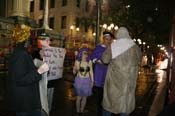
pixel 159 98
pixel 69 92
pixel 160 75
pixel 141 83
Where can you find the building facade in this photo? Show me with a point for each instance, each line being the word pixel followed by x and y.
pixel 71 18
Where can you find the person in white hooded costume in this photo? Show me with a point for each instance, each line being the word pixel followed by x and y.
pixel 123 57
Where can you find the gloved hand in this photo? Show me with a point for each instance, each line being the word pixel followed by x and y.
pixel 43 68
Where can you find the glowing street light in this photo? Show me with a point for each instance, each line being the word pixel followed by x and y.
pixel 116 27
pixel 77 29
pixel 112 25
pixel 71 29
pixel 104 26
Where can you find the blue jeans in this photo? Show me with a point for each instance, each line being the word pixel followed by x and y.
pixel 32 113
pixel 107 113
pixel 123 114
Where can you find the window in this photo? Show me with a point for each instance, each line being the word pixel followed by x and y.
pixel 77 22
pixel 63 22
pixel 3 8
pixel 41 5
pixel 40 22
pixel 64 2
pixel 78 3
pixel 52 3
pixel 31 6
pixel 51 22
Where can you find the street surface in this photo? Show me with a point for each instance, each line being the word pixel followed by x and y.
pixel 148 90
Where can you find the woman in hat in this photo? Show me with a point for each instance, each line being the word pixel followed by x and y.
pixel 84 79
pixel 23 95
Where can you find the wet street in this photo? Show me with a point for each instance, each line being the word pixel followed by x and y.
pixel 150 86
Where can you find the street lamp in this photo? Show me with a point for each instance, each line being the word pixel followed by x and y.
pixel 105 26
pixel 112 27
pixel 77 30
pixel 116 28
pixel 71 30
pixel 94 34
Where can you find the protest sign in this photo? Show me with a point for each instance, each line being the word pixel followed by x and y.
pixel 54 57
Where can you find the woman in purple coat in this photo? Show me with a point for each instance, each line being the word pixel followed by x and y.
pixel 100 69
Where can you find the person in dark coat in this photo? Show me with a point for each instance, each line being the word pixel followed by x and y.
pixel 23 94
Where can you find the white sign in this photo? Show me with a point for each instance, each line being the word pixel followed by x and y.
pixel 54 57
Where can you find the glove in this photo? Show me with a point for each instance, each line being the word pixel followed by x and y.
pixel 43 68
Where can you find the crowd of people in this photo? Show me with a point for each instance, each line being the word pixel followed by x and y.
pixel 116 64
pixel 110 72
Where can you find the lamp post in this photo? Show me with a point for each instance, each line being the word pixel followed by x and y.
pixel 94 34
pixel 77 30
pixel 144 47
pixel 98 3
pixel 71 30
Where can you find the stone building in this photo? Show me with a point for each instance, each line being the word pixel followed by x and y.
pixel 71 18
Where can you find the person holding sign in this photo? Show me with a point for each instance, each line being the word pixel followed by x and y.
pixel 84 80
pixel 54 57
pixel 44 42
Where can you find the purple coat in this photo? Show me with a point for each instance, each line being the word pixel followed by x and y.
pixel 99 69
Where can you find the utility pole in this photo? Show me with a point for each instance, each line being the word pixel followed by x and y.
pixel 98 5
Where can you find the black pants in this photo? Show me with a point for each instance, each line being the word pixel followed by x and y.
pixel 99 96
pixel 32 113
pixel 168 110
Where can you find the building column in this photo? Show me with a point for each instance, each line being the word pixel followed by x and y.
pixel 46 10
pixel 21 8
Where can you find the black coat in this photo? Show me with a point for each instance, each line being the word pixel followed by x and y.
pixel 22 82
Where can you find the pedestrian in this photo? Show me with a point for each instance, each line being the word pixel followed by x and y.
pixel 123 57
pixel 44 42
pixel 84 80
pixel 23 95
pixel 100 69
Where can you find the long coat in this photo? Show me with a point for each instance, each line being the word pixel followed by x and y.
pixel 120 83
pixel 23 82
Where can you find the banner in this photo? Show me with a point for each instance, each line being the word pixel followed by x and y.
pixel 54 57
